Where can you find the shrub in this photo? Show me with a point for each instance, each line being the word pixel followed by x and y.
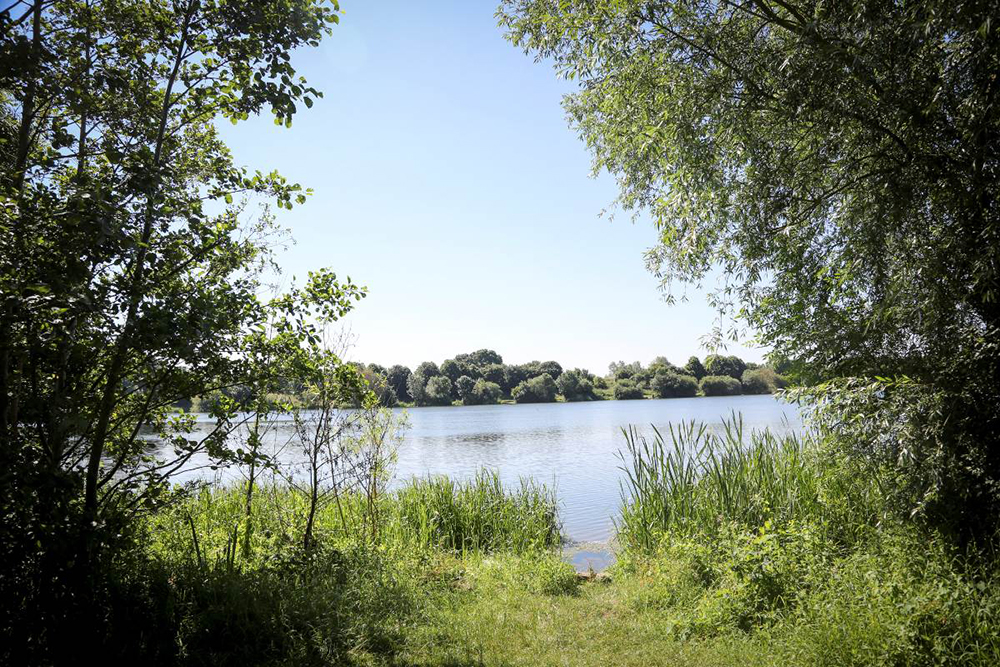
pixel 674 385
pixel 720 385
pixel 762 381
pixel 626 390
pixel 541 389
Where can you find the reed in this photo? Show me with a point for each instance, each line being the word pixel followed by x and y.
pixel 476 515
pixel 693 479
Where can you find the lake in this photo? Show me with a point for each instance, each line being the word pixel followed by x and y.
pixel 570 446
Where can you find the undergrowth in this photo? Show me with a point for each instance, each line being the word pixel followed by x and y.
pixel 784 542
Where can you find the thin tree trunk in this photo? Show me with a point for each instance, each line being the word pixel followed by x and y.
pixel 135 292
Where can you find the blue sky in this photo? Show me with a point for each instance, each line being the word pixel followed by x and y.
pixel 447 180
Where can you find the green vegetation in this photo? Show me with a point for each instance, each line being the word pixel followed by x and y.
pixel 836 162
pixel 781 541
pixel 522 383
pixel 669 384
pixel 625 389
pixel 539 389
pixel 720 385
pixel 835 165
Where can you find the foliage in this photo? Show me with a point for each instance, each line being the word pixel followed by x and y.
pixel 494 373
pixel 575 385
pixel 836 161
pixel 451 370
pixel 398 378
pixel 674 385
pixel 427 369
pixel 539 389
pixel 720 385
pixel 477 515
pixel 438 391
pixel 416 387
pixel 695 368
pixel 463 388
pixel 762 381
pixel 626 390
pixel 683 484
pixel 485 393
pixel 376 379
pixel 717 364
pixel 918 441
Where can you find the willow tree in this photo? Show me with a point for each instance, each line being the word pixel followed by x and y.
pixel 838 161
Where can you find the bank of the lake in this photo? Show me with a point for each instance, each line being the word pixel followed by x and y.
pixel 775 554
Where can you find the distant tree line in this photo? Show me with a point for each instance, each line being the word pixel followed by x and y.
pixel 482 378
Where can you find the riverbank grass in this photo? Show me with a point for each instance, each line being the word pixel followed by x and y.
pixel 736 549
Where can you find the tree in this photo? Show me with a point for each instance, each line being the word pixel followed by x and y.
pixel 552 368
pixel 438 391
pixel 427 369
pixel 670 384
pixel 451 370
pixel 416 387
pixel 716 364
pixel 397 376
pixel 762 381
pixel 695 368
pixel 539 389
pixel 463 388
pixel 513 376
pixel 838 163
pixel 493 373
pixel 575 385
pixel 122 292
pixel 486 393
pixel 484 357
pixel 625 389
pixel 720 385
pixel 376 380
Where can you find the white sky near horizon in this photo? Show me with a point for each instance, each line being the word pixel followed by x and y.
pixel 447 180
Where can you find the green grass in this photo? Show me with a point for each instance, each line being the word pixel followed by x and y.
pixel 737 549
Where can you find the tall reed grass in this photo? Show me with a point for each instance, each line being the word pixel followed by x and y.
pixel 479 514
pixel 476 515
pixel 696 479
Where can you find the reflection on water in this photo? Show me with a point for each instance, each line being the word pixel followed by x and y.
pixel 572 446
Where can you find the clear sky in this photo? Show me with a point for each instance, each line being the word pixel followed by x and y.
pixel 447 180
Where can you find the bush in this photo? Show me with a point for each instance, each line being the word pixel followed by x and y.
pixel 626 390
pixel 541 389
pixel 762 381
pixel 674 385
pixel 720 385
